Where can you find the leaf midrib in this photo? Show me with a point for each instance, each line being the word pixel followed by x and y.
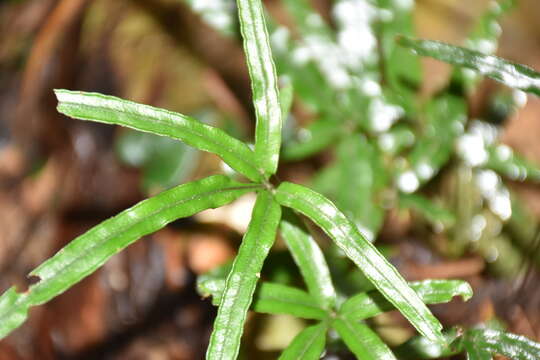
pixel 311 341
pixel 165 208
pixel 210 139
pixel 251 251
pixel 264 74
pixel 414 309
pixel 27 296
pixel 349 326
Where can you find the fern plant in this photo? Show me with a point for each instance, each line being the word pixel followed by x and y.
pixel 359 100
pixel 280 207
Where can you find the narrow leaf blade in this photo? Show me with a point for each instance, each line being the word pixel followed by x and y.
pixel 242 279
pixel 376 268
pixel 212 283
pixel 513 75
pixel 309 258
pixel 419 347
pixel 307 345
pixel 269 298
pixel 264 83
pixel 362 341
pixel 499 342
pixel 484 37
pixel 369 304
pixel 474 353
pixel 273 298
pixel 112 110
pixel 89 251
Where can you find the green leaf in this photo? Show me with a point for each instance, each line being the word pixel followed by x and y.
pixel 212 283
pixel 89 251
pixel 418 347
pixel 322 69
pixel 361 178
pixel 369 304
pixel 263 83
pixel 274 298
pixel 445 118
pixel 503 160
pixel 376 268
pixel 396 139
pixel 165 162
pixel 307 345
pixel 513 75
pixel 362 341
pixel 112 110
pixel 514 346
pixel 270 298
pixel 242 279
pixel 309 258
pixel 211 287
pixel 286 97
pixel 484 37
pixel 309 85
pixel 312 139
pixel 402 69
pixel 522 228
pixel 430 210
pixel 474 353
pixel 487 30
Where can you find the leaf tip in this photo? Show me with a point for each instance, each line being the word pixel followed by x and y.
pixel 59 93
pixel 465 291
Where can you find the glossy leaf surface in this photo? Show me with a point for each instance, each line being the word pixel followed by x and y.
pixel 513 75
pixel 212 283
pixel 474 353
pixel 418 347
pixel 309 258
pixel 242 279
pixel 274 298
pixel 484 38
pixel 89 251
pixel 369 304
pixel 376 268
pixel 307 345
pixel 112 110
pixel 263 83
pixel 270 298
pixel 362 341
pixel 513 346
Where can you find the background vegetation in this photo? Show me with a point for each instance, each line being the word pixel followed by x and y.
pixel 60 176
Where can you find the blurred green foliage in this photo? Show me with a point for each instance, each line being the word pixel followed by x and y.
pixel 393 149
